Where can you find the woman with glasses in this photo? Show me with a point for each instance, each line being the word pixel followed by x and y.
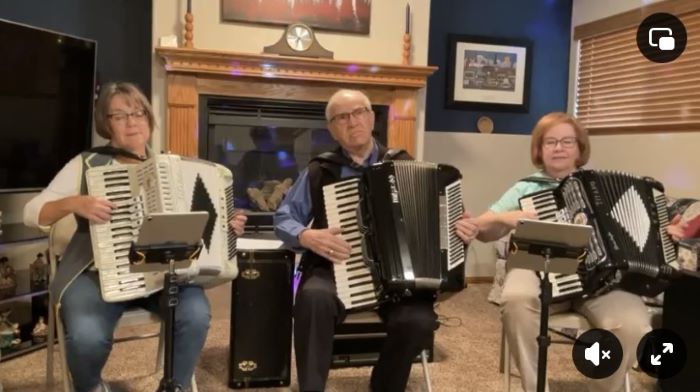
pixel 124 116
pixel 559 146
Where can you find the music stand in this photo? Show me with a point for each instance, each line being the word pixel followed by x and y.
pixel 167 241
pixel 548 247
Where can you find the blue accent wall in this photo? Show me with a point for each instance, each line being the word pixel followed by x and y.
pixel 546 23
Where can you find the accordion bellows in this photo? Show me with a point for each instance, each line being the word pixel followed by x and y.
pixel 399 221
pixel 163 183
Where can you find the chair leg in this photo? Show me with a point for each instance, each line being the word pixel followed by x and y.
pixel 628 387
pixel 194 384
pixel 506 363
pixel 161 348
pixel 49 345
pixel 67 383
pixel 426 374
pixel 501 359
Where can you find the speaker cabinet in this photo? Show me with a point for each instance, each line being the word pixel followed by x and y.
pixel 681 301
pixel 261 320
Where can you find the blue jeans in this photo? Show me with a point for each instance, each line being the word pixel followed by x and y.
pixel 89 324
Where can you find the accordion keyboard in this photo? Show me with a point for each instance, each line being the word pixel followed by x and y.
pixel 114 183
pixel 669 248
pixel 353 279
pixel 450 211
pixel 544 205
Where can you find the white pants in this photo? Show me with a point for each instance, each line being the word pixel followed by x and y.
pixel 622 313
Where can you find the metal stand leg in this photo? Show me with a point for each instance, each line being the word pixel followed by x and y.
pixel 170 294
pixel 543 338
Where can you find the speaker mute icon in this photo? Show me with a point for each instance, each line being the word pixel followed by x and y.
pixel 597 353
pixel 594 354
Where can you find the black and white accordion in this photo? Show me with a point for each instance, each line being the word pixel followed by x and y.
pixel 399 221
pixel 629 249
pixel 164 183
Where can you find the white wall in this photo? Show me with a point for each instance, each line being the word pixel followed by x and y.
pixel 382 45
pixel 490 164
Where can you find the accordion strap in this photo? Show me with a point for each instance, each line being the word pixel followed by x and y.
pixel 115 151
pixel 539 180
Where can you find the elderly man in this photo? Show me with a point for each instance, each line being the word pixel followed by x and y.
pixel 409 322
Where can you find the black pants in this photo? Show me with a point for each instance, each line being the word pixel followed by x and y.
pixel 409 323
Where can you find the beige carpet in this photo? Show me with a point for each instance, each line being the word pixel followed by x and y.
pixel 466 349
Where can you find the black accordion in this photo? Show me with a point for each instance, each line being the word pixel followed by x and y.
pixel 399 221
pixel 629 249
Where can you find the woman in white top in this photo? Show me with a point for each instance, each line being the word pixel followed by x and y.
pixel 124 116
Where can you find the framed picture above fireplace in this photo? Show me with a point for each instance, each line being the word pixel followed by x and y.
pixel 352 16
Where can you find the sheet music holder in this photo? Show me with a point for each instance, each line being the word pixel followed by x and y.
pixel 167 241
pixel 164 236
pixel 532 239
pixel 547 247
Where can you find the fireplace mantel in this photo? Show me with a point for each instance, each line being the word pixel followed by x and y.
pixel 193 72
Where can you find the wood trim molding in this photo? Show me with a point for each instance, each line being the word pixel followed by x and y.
pixel 633 17
pixel 192 72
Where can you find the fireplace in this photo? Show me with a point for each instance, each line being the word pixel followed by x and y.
pixel 266 143
pixel 249 82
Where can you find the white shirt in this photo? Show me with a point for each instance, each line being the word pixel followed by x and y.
pixel 66 183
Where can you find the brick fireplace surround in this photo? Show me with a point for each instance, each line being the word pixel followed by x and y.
pixel 191 72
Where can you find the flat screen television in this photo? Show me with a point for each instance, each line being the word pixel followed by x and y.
pixel 47 84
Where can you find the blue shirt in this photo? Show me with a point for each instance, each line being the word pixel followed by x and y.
pixel 509 200
pixel 295 213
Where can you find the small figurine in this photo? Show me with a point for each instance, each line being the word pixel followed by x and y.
pixel 8 278
pixel 39 332
pixel 9 332
pixel 39 273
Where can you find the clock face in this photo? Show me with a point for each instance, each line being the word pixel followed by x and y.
pixel 299 37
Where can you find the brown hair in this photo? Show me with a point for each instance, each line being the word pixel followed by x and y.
pixel 544 124
pixel 132 94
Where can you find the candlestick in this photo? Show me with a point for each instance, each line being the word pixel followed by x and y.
pixel 188 41
pixel 406 53
pixel 408 19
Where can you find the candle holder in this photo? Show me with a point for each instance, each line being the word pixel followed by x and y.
pixel 188 30
pixel 406 55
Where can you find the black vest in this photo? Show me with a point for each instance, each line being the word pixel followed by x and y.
pixel 325 169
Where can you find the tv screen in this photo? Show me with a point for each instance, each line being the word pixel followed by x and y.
pixel 47 83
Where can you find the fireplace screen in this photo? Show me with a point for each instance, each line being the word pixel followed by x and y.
pixel 266 144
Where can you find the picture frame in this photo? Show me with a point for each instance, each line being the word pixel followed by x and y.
pixel 486 73
pixel 350 16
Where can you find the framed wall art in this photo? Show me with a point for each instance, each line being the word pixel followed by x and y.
pixel 486 73
pixel 351 16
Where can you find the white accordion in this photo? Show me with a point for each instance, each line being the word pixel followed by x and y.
pixel 164 183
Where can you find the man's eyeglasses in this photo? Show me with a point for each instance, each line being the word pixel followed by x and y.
pixel 566 142
pixel 343 118
pixel 123 116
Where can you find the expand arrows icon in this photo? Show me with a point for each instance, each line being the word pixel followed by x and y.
pixel 656 360
pixel 668 348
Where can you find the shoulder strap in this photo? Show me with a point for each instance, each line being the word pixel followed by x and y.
pixel 114 151
pixel 539 180
pixel 334 157
pixel 396 154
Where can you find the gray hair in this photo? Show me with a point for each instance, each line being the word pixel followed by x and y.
pixel 345 92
